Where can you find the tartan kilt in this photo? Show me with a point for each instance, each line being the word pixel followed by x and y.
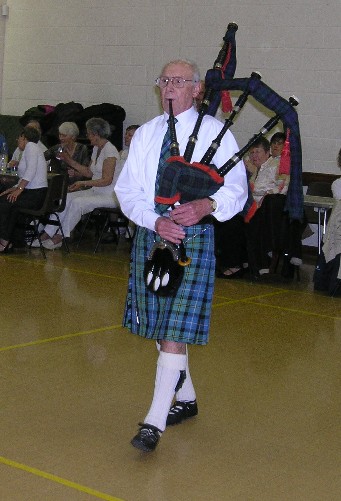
pixel 184 318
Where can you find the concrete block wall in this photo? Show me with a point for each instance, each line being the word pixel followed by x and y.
pixel 111 51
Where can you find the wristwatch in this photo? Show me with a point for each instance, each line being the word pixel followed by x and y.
pixel 214 204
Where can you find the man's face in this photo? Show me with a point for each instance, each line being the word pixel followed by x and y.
pixel 258 156
pixel 182 98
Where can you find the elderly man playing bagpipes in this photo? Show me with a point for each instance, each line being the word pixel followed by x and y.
pixel 172 201
pixel 174 316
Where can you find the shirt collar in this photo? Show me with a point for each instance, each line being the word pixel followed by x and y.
pixel 182 117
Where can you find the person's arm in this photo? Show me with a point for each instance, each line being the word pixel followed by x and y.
pixel 108 170
pixel 14 192
pixel 51 152
pixel 81 155
pixel 135 186
pixel 282 184
pixel 14 162
pixel 252 168
pixel 83 170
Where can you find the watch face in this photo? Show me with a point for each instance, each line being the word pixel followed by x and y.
pixel 213 204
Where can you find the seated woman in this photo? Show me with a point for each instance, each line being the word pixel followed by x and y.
pixel 230 248
pixel 230 236
pixel 99 178
pixel 268 184
pixel 68 148
pixel 29 192
pixel 17 154
pixel 268 179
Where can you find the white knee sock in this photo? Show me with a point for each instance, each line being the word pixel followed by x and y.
pixel 168 370
pixel 187 392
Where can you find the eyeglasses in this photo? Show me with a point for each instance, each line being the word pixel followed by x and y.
pixel 178 82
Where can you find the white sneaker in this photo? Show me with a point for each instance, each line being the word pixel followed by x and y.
pixel 35 243
pixel 50 245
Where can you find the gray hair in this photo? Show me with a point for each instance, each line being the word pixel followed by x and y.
pixel 187 62
pixel 69 129
pixel 99 127
pixel 36 125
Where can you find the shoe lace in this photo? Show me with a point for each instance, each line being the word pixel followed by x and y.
pixel 149 434
pixel 177 408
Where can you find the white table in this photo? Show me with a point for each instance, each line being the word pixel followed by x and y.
pixel 323 205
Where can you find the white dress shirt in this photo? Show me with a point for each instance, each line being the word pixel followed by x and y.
pixel 135 187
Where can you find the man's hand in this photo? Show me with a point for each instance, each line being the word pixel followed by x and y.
pixel 191 212
pixel 169 230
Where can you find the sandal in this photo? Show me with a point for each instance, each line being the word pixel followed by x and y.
pixel 232 273
pixel 4 247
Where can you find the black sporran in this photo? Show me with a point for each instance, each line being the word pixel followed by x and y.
pixel 164 268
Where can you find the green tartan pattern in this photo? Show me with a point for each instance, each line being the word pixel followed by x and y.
pixel 186 317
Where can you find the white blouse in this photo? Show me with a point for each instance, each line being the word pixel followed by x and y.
pixel 32 167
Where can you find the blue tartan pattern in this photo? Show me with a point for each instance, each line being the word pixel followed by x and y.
pixel 186 317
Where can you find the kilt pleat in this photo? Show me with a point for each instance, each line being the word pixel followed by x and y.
pixel 186 316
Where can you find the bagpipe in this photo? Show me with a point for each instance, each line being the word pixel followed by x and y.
pixel 184 181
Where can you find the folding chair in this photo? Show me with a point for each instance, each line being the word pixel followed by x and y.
pixel 54 203
pixel 114 224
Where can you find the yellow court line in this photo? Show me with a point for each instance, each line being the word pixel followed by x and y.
pixel 58 480
pixel 59 338
pixel 60 267
pixel 241 300
pixel 40 262
pixel 91 273
pixel 283 308
pixel 293 310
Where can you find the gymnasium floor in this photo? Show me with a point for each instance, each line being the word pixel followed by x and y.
pixel 74 385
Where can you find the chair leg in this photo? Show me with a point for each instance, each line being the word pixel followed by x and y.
pixel 274 262
pixel 62 232
pixel 84 228
pixel 289 270
pixel 36 234
pixel 105 225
